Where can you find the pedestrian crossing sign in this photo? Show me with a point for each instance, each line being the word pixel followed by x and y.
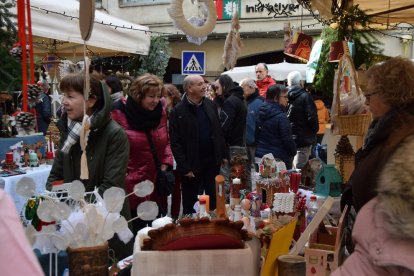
pixel 193 62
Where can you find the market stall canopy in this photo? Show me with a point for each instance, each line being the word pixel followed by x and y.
pixel 59 20
pixel 388 11
pixel 278 71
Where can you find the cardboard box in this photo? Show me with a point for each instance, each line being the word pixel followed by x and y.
pixel 324 252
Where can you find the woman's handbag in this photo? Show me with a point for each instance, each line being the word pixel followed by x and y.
pixel 165 179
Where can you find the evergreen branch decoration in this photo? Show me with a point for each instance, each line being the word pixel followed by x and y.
pixel 352 25
pixel 9 68
pixel 157 59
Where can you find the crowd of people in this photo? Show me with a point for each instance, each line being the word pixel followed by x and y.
pixel 191 134
pixel 196 133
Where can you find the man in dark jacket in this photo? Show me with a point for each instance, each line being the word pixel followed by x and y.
pixel 303 118
pixel 197 142
pixel 233 123
pixel 233 117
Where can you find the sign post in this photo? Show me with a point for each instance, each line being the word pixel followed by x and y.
pixel 193 62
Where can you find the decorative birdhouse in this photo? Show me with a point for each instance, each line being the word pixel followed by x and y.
pixel 328 181
pixel 267 187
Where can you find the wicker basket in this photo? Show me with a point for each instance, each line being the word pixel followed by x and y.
pixel 356 125
pixel 89 261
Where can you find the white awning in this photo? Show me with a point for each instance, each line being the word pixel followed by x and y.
pixel 278 71
pixel 58 19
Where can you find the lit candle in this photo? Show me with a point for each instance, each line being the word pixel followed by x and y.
pixel 207 199
pixel 53 149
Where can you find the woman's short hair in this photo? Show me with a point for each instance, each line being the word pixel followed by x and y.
pixel 144 84
pixel 172 92
pixel 114 83
pixel 273 91
pixel 76 81
pixel 393 80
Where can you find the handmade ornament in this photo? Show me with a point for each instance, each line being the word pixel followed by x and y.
pixel 144 188
pixel 26 187
pixel 16 51
pixel 196 21
pixel 344 158
pixel 300 47
pixel 233 44
pixel 177 15
pixel 114 199
pixel 25 123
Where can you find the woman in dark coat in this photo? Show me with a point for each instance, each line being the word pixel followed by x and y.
pixel 389 97
pixel 106 150
pixel 273 131
pixel 144 111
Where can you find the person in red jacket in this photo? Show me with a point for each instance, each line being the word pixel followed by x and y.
pixel 263 79
pixel 144 111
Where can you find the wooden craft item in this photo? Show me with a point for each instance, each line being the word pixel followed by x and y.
pixel 193 234
pixel 86 18
pixel 220 197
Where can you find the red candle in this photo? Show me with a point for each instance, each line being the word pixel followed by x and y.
pixel 9 157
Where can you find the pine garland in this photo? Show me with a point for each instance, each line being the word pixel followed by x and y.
pixel 157 59
pixel 9 67
pixel 352 25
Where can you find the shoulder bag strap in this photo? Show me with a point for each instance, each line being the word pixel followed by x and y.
pixel 154 152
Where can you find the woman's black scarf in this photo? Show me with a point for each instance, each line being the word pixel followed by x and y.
pixel 142 119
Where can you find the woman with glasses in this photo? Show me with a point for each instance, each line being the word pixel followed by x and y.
pixel 382 182
pixel 273 130
pixel 389 97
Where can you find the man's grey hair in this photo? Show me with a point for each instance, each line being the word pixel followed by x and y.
pixel 249 82
pixel 294 78
pixel 263 64
pixel 187 82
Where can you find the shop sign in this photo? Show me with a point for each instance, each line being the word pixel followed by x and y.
pixel 266 8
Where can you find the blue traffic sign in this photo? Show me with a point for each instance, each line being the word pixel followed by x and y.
pixel 193 62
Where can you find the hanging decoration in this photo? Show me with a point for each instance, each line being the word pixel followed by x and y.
pixel 86 19
pixel 177 15
pixel 300 47
pixel 233 44
pixel 339 48
pixel 157 59
pixel 196 21
pixel 312 64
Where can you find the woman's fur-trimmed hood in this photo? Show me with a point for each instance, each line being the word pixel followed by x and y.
pixel 396 191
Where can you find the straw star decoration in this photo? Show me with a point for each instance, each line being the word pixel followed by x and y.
pixel 56 98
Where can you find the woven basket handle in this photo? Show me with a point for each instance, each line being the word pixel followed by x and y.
pixel 344 58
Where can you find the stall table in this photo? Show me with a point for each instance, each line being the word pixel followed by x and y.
pixel 39 176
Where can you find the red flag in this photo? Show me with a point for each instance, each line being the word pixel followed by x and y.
pixel 219 9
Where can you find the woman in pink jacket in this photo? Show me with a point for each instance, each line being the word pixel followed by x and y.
pixel 384 228
pixel 144 111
